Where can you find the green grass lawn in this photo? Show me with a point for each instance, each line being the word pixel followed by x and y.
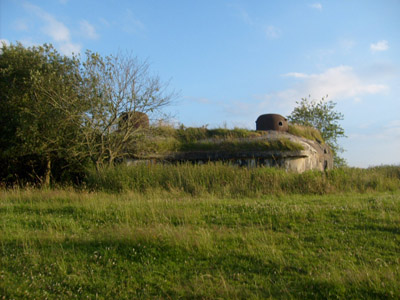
pixel 59 244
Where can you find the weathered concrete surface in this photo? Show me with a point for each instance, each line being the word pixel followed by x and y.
pixel 314 156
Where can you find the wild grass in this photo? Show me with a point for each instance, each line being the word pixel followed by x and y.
pixel 229 181
pixel 64 244
pixel 191 134
pixel 232 146
pixel 306 132
pixel 165 139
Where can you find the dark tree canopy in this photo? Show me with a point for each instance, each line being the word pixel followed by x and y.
pixel 34 132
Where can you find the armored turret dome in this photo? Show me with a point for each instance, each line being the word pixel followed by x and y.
pixel 272 122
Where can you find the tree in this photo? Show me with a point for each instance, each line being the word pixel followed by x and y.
pixel 35 132
pixel 321 114
pixel 118 89
pixel 58 113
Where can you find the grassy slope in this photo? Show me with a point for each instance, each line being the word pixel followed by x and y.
pixel 66 245
pixel 306 132
pixel 164 139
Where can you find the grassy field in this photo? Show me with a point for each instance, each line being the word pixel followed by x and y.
pixel 170 244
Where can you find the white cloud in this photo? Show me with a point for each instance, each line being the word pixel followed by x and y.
pixel 339 83
pixel 296 75
pixel 88 30
pixel 272 32
pixel 374 146
pixel 130 23
pixel 316 5
pixel 69 48
pixel 54 29
pixel 379 46
pixel 57 31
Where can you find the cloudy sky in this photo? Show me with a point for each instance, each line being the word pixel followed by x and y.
pixel 232 60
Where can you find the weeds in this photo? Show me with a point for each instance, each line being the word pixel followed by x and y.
pixel 229 181
pixel 164 139
pixel 205 232
pixel 60 244
pixel 306 132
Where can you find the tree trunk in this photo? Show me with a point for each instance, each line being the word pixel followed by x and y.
pixel 47 173
pixel 111 161
pixel 99 165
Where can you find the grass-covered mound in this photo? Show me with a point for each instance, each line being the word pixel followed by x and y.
pixel 281 144
pixel 162 140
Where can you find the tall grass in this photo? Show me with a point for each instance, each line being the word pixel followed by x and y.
pixel 307 132
pixel 226 180
pixel 232 146
pixel 164 139
pixel 58 244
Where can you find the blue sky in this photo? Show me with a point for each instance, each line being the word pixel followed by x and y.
pixel 233 60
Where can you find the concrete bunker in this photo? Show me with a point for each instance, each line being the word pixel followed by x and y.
pixel 313 154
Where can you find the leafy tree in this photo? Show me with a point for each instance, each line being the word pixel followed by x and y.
pixel 56 113
pixel 35 132
pixel 321 114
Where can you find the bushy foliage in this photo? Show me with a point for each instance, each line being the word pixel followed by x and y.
pixel 58 113
pixel 36 133
pixel 321 114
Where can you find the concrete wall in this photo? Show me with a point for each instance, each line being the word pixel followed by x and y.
pixel 314 156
